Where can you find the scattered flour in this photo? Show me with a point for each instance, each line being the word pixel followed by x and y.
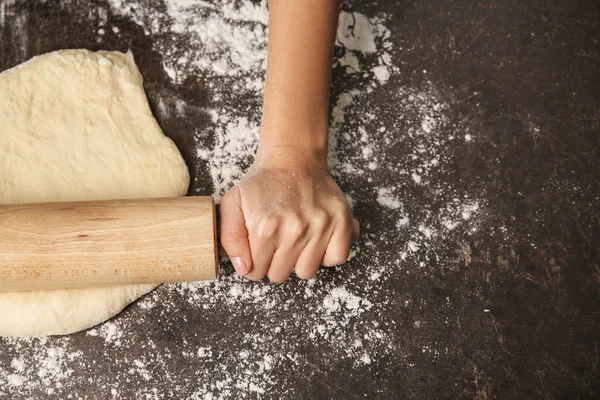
pixel 236 141
pixel 50 366
pixel 356 32
pixel 340 300
pixel 386 198
pixel 221 39
pixel 109 331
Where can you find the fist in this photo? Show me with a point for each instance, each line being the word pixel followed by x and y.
pixel 285 217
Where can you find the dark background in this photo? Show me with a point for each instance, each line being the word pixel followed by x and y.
pixel 530 62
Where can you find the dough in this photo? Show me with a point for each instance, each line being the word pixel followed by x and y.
pixel 76 125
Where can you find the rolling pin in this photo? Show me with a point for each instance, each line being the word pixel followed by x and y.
pixel 103 243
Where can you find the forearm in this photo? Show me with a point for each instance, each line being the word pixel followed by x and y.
pixel 301 41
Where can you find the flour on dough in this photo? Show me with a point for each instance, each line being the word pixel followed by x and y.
pixel 76 125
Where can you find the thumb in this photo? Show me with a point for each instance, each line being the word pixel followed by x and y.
pixel 234 236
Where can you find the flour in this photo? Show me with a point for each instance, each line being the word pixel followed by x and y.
pixel 219 40
pixel 236 144
pixel 356 32
pixel 382 73
pixel 50 366
pixel 340 300
pixel 109 331
pixel 386 198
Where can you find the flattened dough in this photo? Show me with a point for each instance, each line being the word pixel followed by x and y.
pixel 76 125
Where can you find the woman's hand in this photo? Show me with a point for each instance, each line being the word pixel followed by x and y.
pixel 286 214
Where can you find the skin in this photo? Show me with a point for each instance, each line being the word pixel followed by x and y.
pixel 287 213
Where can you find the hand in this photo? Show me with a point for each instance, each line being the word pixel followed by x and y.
pixel 286 214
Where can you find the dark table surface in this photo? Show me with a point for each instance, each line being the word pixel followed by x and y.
pixel 472 167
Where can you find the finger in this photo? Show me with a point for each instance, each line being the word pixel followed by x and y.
pixel 234 236
pixel 309 261
pixel 292 240
pixel 262 246
pixel 263 252
pixel 283 263
pixel 338 247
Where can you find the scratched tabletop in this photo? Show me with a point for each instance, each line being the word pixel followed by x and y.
pixel 466 136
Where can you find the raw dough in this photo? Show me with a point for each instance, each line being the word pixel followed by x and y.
pixel 76 125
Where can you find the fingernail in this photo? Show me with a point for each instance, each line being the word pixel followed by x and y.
pixel 240 265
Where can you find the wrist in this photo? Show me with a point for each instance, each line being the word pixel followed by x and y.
pixel 290 156
pixel 300 143
pixel 302 129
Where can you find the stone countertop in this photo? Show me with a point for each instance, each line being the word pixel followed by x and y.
pixel 467 137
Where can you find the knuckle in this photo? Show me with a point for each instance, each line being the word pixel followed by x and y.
pixel 294 226
pixel 342 203
pixel 344 219
pixel 266 227
pixel 320 219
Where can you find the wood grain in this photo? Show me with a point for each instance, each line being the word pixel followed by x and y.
pixel 102 243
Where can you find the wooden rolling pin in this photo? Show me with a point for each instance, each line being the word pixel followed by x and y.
pixel 102 243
